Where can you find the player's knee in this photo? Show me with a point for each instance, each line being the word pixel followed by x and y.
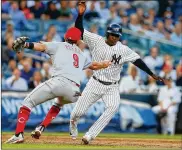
pixel 77 113
pixel 58 105
pixel 28 103
pixel 156 109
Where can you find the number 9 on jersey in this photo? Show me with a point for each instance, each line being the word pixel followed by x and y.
pixel 76 60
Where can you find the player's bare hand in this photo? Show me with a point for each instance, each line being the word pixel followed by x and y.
pixel 106 63
pixel 18 44
pixel 100 65
pixel 158 78
pixel 81 7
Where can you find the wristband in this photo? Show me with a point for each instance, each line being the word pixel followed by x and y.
pixel 29 45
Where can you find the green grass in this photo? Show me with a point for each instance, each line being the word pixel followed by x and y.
pixel 87 147
pixel 51 146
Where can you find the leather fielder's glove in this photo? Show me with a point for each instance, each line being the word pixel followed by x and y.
pixel 18 44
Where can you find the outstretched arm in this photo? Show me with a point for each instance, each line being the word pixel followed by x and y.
pixel 89 38
pixel 79 19
pixel 140 64
pixel 99 65
pixel 35 46
pixel 20 43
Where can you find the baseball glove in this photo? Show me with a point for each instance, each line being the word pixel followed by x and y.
pixel 18 44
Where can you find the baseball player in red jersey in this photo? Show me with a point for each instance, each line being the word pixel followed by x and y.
pixel 68 62
pixel 104 83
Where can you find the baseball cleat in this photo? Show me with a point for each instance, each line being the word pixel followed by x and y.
pixel 16 139
pixel 86 139
pixel 73 130
pixel 37 132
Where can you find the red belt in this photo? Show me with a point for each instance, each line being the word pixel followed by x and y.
pixel 75 83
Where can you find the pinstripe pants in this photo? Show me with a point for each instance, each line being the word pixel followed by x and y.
pixel 94 91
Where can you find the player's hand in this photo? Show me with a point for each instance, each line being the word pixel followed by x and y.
pixel 100 65
pixel 106 63
pixel 18 44
pixel 81 7
pixel 158 78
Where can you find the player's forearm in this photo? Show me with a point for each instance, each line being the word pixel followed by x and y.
pixel 96 66
pixel 79 23
pixel 99 65
pixel 35 46
pixel 140 64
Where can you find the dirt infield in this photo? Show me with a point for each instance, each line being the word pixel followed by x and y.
pixel 102 141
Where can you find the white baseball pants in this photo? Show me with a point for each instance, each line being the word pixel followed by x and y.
pixel 94 91
pixel 168 122
pixel 54 87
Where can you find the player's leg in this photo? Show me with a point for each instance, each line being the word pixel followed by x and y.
pixel 164 125
pixel 156 109
pixel 90 95
pixel 171 120
pixel 82 105
pixel 112 101
pixel 69 92
pixel 52 113
pixel 39 95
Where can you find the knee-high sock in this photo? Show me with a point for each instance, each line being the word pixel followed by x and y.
pixel 23 116
pixel 53 112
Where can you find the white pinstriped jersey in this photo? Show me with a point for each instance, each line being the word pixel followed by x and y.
pixel 67 60
pixel 101 51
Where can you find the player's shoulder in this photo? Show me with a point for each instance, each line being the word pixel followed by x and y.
pixel 147 57
pixel 52 42
pixel 93 35
pixel 126 78
pixel 122 46
pixel 163 88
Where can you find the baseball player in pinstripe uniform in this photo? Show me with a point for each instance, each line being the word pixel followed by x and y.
pixel 104 83
pixel 68 62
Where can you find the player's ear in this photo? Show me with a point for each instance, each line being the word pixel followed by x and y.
pixel 65 38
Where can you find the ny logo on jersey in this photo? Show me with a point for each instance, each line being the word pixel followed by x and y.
pixel 116 59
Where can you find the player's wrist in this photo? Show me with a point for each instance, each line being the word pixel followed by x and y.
pixel 102 66
pixel 29 45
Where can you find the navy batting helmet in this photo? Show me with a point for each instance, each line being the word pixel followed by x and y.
pixel 114 29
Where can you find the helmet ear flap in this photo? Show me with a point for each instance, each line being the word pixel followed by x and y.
pixel 120 30
pixel 109 28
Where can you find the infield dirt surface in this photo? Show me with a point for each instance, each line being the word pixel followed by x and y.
pixel 104 140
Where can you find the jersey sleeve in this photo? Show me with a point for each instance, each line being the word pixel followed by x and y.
pixel 90 39
pixel 130 55
pixel 51 47
pixel 87 63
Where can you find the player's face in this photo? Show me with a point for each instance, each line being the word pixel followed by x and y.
pixel 112 39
